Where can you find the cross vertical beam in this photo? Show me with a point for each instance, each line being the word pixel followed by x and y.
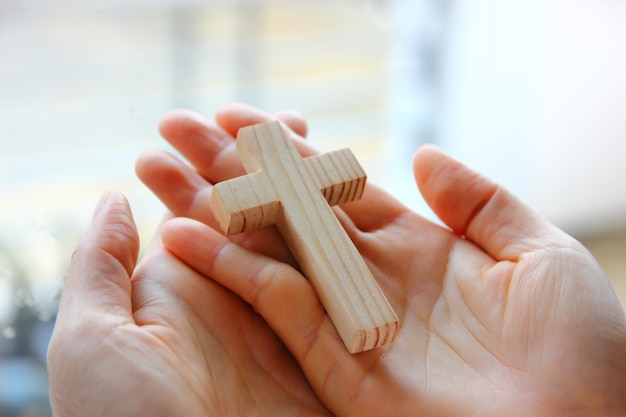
pixel 294 193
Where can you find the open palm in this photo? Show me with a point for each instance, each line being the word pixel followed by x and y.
pixel 501 313
pixel 158 339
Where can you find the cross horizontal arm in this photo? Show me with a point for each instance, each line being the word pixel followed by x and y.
pixel 244 203
pixel 338 175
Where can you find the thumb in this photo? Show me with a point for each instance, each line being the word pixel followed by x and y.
pixel 479 209
pixel 102 263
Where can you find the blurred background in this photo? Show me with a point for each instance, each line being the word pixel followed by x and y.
pixel 529 92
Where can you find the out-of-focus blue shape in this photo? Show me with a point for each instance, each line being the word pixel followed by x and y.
pixel 23 386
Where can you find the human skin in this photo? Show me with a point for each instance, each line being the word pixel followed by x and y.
pixel 159 339
pixel 501 313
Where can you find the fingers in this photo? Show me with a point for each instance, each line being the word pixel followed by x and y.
pixel 208 147
pixel 233 117
pixel 375 209
pixel 477 208
pixel 101 266
pixel 185 190
pixel 278 292
pixel 294 120
pixel 186 194
pixel 181 188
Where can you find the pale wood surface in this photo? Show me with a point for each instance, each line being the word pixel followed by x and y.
pixel 295 194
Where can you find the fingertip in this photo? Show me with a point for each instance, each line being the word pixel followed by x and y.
pixel 173 182
pixel 294 120
pixel 145 163
pixel 169 120
pixel 424 159
pixel 453 191
pixel 172 228
pixel 233 116
pixel 103 261
pixel 234 108
pixel 478 208
pixel 185 236
pixel 430 148
pixel 114 203
pixel 175 120
pixel 157 163
pixel 113 230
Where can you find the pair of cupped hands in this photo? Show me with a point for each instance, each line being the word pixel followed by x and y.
pixel 501 313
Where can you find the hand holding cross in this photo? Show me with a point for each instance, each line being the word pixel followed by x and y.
pixel 295 194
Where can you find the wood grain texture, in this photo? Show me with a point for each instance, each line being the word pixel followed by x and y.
pixel 295 194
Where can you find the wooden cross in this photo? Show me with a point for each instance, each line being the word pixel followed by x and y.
pixel 295 194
